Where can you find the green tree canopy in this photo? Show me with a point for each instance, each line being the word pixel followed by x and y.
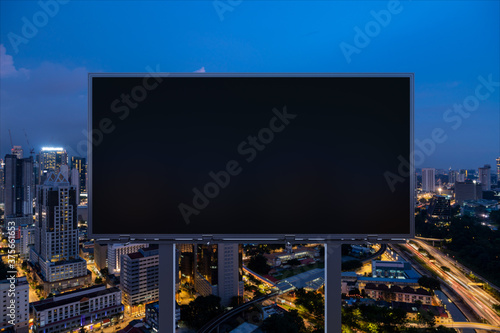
pixel 200 311
pixel 288 322
pixel 259 265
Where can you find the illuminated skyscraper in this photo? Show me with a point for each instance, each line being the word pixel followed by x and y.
pixel 80 164
pixel 56 235
pixel 428 179
pixel 219 271
pixel 51 159
pixel 485 177
pixel 2 181
pixel 498 169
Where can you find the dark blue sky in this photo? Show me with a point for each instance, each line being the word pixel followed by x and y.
pixel 448 45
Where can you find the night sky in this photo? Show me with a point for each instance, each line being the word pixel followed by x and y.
pixel 447 44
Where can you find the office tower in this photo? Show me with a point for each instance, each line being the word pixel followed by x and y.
pixel 19 189
pixel 452 177
pixel 468 190
pixel 116 251
pixel 2 181
pixel 428 179
pixel 90 308
pixel 498 169
pixel 230 280
pixel 139 280
pixel 187 262
pixel 20 307
pixel 100 255
pixel 56 248
pixel 75 181
pixel 51 159
pixel 18 151
pixel 462 176
pixel 80 164
pixel 219 271
pixel 485 177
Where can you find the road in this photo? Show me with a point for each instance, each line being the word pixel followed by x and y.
pixel 476 298
pixel 210 326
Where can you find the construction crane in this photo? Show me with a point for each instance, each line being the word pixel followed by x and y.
pixel 32 150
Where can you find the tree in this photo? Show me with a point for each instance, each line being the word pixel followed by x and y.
pixel 429 282
pixel 98 280
pixel 351 265
pixel 311 301
pixel 200 311
pixel 104 271
pixel 426 318
pixel 288 322
pixel 259 265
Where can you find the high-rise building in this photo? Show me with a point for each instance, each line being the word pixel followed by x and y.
pixel 452 176
pixel 89 308
pixel 219 271
pixel 498 169
pixel 2 181
pixel 51 159
pixel 468 190
pixel 139 279
pixel 18 151
pixel 19 189
pixel 56 249
pixel 485 177
pixel 80 164
pixel 116 251
pixel 428 179
pixel 20 306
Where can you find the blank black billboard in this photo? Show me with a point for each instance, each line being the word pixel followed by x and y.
pixel 250 155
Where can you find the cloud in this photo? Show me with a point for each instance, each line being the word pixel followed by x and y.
pixel 7 68
pixel 50 103
pixel 201 70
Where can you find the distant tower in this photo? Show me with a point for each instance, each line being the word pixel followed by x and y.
pixel 2 181
pixel 51 159
pixel 428 179
pixel 80 164
pixel 19 189
pixel 485 177
pixel 498 169
pixel 18 151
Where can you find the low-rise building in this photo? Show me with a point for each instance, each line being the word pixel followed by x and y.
pixel 89 307
pixel 398 294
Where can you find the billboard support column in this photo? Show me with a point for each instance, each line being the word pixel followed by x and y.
pixel 333 299
pixel 166 285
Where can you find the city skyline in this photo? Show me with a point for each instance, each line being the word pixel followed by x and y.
pixel 44 76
